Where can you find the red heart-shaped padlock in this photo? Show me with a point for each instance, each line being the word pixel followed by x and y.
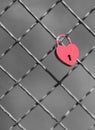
pixel 67 54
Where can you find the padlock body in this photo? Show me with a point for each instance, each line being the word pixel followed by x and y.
pixel 67 54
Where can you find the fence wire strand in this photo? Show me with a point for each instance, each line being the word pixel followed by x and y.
pixel 39 62
pixel 10 116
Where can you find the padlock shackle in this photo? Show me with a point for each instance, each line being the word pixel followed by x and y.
pixel 62 35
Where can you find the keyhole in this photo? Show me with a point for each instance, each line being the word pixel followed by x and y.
pixel 69 56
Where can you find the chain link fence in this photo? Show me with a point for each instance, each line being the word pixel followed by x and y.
pixel 37 91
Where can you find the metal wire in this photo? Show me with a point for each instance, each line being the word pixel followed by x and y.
pixel 39 62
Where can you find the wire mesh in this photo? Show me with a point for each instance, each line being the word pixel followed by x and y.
pixel 18 41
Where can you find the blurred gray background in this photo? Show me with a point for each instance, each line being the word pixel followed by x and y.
pixel 17 62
